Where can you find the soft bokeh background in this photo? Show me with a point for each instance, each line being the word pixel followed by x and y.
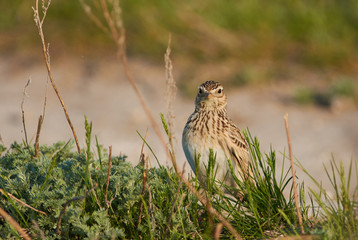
pixel 273 57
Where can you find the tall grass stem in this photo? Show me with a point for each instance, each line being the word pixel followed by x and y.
pixel 293 176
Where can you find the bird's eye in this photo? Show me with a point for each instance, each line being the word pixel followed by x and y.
pixel 220 90
pixel 200 90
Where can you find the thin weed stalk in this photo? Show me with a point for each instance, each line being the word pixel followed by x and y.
pixel 144 161
pixel 39 23
pixel 23 116
pixel 19 201
pixel 37 144
pixel 171 89
pixel 39 125
pixel 108 175
pixel 293 176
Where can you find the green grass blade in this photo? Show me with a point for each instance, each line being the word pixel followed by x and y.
pixel 151 150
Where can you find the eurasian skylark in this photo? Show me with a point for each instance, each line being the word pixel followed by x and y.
pixel 209 127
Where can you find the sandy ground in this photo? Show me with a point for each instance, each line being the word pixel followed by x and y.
pixel 99 90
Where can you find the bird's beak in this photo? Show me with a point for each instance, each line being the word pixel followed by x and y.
pixel 206 96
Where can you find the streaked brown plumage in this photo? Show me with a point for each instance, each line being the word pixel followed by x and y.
pixel 209 127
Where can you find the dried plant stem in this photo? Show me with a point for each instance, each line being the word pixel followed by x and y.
pixel 293 176
pixel 23 115
pixel 37 144
pixel 144 161
pixel 39 125
pixel 19 201
pixel 39 22
pixel 13 223
pixel 171 89
pixel 218 230
pixel 108 175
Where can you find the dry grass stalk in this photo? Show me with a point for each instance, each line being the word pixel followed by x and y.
pixel 171 89
pixel 218 229
pixel 37 144
pixel 19 201
pixel 41 119
pixel 115 24
pixel 39 23
pixel 170 94
pixel 23 114
pixel 293 176
pixel 108 175
pixel 144 161
pixel 14 224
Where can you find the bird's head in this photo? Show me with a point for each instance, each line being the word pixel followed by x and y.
pixel 211 96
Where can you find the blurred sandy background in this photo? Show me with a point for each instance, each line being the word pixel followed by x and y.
pixel 267 71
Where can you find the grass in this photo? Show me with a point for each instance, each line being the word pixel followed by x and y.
pixel 69 188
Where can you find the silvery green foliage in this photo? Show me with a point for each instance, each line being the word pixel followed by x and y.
pixel 58 175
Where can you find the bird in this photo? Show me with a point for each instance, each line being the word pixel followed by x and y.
pixel 209 129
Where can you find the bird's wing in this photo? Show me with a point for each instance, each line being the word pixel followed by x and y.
pixel 237 149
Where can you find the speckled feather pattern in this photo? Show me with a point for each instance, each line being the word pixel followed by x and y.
pixel 209 127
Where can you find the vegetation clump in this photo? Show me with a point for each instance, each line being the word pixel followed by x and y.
pixel 73 195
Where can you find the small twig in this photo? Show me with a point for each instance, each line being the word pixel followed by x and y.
pixel 13 223
pixel 39 22
pixel 293 176
pixel 66 204
pixel 108 175
pixel 19 201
